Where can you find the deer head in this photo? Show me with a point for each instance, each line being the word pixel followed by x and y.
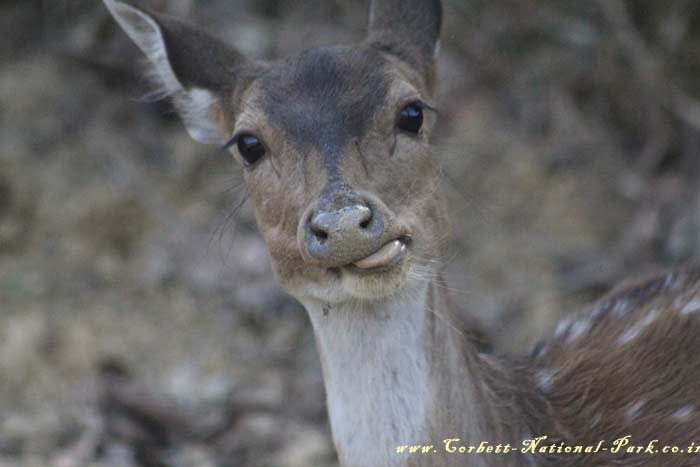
pixel 334 144
pixel 335 147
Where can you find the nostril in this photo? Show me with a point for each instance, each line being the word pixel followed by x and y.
pixel 367 216
pixel 319 233
pixel 318 228
pixel 365 224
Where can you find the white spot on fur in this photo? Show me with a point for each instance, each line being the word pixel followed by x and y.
pixel 540 350
pixel 680 302
pixel 562 327
pixel 683 413
pixel 634 332
pixel 545 379
pixel 579 328
pixel 678 281
pixel 634 410
pixel 597 418
pixel 595 312
pixel 669 280
pixel 692 306
pixel 621 307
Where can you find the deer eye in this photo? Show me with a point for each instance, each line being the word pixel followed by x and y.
pixel 251 148
pixel 411 118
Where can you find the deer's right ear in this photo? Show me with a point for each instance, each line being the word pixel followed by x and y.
pixel 192 67
pixel 407 29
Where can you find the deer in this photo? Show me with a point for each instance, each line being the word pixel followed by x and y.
pixel 335 148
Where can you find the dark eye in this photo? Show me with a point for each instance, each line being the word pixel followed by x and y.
pixel 411 118
pixel 251 148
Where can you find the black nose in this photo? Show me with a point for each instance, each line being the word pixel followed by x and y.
pixel 339 235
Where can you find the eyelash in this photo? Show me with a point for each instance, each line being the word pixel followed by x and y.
pixel 232 142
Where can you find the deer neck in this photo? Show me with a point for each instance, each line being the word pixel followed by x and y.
pixel 400 373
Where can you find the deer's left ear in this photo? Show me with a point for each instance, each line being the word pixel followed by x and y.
pixel 192 67
pixel 408 29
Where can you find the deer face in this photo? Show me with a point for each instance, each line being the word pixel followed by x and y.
pixel 334 143
pixel 338 165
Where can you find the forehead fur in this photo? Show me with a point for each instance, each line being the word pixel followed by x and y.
pixel 324 98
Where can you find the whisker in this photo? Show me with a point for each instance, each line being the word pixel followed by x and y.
pixel 222 228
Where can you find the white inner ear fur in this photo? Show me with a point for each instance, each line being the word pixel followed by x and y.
pixel 193 105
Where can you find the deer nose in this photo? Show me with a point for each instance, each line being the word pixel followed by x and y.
pixel 350 219
pixel 339 236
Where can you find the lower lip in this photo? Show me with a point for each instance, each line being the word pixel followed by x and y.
pixel 386 257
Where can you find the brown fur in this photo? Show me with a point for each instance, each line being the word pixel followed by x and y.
pixel 608 381
pixel 612 381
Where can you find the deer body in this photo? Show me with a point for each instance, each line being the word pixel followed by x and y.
pixel 336 148
pixel 403 371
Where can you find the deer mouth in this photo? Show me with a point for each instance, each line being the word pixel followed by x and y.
pixel 386 257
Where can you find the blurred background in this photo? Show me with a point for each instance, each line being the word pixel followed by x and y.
pixel 140 324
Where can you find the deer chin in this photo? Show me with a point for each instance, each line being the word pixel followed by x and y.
pixel 381 282
pixel 385 273
pixel 377 285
